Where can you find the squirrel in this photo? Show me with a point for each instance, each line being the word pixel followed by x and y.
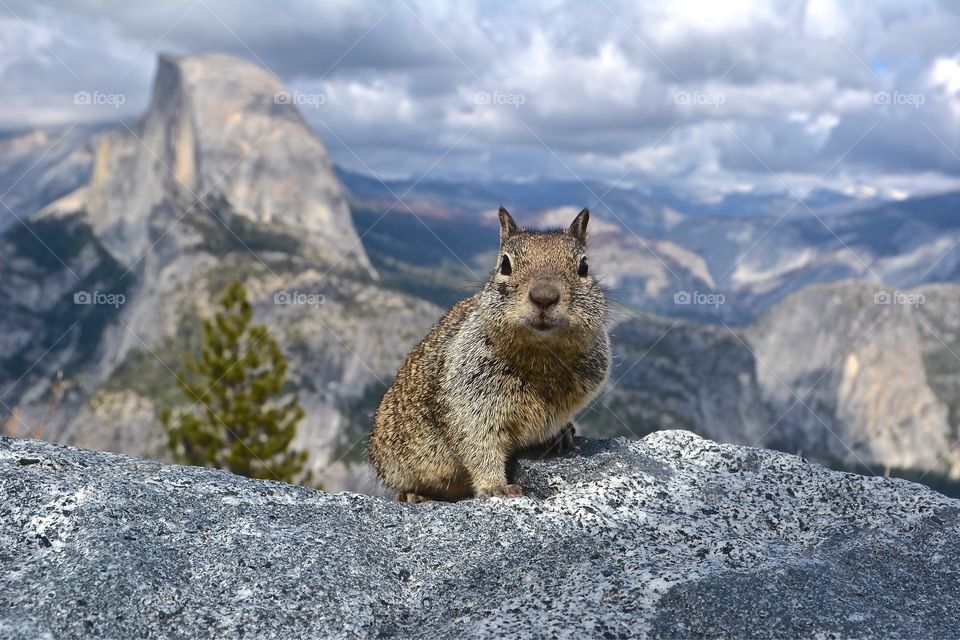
pixel 504 370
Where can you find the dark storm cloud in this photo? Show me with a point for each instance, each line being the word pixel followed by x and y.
pixel 698 91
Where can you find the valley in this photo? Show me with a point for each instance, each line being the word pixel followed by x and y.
pixel 830 329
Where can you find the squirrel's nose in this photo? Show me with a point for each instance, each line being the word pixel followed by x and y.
pixel 544 295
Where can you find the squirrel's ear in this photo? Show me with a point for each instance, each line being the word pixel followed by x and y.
pixel 507 226
pixel 578 228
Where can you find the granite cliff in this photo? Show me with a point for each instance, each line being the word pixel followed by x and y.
pixel 220 179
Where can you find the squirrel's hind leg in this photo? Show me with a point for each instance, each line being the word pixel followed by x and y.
pixel 412 498
pixel 456 487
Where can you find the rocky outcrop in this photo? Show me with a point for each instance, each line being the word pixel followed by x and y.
pixel 671 536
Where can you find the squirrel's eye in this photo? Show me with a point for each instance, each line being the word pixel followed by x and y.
pixel 583 269
pixel 505 267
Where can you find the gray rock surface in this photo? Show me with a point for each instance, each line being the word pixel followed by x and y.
pixel 671 536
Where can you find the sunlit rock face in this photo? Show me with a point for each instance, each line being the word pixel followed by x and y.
pixel 672 536
pixel 219 129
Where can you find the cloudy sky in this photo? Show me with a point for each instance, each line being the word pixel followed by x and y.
pixel 712 96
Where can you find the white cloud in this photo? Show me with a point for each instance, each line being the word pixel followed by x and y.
pixel 739 86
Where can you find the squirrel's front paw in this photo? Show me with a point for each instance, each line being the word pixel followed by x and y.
pixel 503 491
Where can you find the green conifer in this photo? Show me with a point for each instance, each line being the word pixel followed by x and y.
pixel 239 421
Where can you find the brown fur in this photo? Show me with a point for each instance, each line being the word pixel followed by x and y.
pixel 498 373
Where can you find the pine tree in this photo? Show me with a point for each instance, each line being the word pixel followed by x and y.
pixel 240 423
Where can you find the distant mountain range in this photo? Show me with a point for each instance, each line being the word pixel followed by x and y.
pixel 747 249
pixel 744 320
pixel 654 251
pixel 848 373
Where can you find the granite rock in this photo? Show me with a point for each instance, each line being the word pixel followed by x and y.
pixel 670 536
